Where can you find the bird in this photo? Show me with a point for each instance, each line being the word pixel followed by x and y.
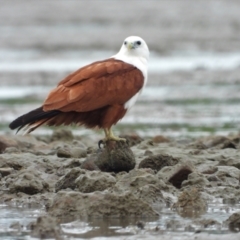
pixel 97 95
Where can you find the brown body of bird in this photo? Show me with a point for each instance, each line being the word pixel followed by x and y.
pixel 96 95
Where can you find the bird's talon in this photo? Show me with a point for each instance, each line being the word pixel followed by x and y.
pixel 100 142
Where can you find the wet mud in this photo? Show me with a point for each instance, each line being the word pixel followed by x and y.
pixel 185 175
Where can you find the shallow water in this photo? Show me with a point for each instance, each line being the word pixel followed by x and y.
pixel 35 61
pixel 14 224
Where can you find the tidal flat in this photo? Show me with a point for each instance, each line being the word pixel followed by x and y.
pixel 184 129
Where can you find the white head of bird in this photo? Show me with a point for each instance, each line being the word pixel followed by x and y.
pixel 134 51
pixel 135 46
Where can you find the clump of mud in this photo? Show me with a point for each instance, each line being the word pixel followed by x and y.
pixel 71 178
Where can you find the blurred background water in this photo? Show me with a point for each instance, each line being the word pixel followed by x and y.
pixel 194 82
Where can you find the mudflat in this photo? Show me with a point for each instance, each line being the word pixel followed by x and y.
pixel 181 177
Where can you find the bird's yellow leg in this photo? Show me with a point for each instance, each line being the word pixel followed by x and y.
pixel 110 136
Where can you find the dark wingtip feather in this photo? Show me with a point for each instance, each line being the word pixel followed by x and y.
pixel 31 118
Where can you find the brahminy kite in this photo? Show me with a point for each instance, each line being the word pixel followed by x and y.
pixel 96 95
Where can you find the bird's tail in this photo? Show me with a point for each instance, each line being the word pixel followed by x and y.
pixel 33 119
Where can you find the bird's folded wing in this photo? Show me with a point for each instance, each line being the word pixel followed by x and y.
pixel 94 86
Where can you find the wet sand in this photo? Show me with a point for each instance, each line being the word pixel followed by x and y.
pixel 170 187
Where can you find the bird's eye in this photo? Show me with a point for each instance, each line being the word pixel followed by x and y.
pixel 138 42
pixel 125 43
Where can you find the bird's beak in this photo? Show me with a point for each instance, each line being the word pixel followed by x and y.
pixel 130 45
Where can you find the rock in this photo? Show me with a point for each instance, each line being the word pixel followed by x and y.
pixel 26 181
pixel 71 152
pixel 77 152
pixel 229 144
pixel 136 178
pixel 85 181
pixel 233 222
pixel 11 150
pixel 148 153
pixel 197 145
pixel 46 227
pixel 89 163
pixel 12 162
pixel 208 169
pixel 143 183
pixel 115 157
pixel 6 171
pixel 218 142
pixel 16 226
pixel 99 205
pixel 26 143
pixel 6 142
pixel 68 180
pixel 160 139
pixel 132 140
pixel 64 153
pixel 140 224
pixel 196 180
pixel 78 144
pixel 73 163
pixel 94 181
pixel 214 141
pixel 213 178
pixel 146 144
pixel 227 176
pixel 176 174
pixel 62 135
pixel 206 223
pixel 225 192
pixel 228 171
pixel 190 203
pixel 157 162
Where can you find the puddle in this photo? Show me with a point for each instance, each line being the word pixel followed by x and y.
pixel 14 222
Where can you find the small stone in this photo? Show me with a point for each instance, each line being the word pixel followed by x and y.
pixel 234 222
pixel 16 226
pixel 229 144
pixel 115 157
pixel 140 224
pixel 6 171
pixel 212 142
pixel 64 153
pixel 190 203
pixel 195 180
pixel 157 162
pixel 62 134
pixel 176 174
pixel 160 139
pixel 77 152
pixel 68 180
pixel 89 163
pixel 94 181
pixel 148 153
pixel 132 140
pixel 26 181
pixel 11 150
pixel 179 177
pixel 6 142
